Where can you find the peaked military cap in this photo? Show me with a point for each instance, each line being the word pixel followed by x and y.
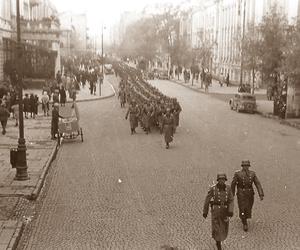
pixel 245 163
pixel 221 176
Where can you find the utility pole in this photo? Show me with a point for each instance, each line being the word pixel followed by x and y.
pixel 242 43
pixel 21 162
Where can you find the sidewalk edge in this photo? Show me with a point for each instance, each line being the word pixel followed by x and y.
pixel 281 121
pixel 35 193
pixel 13 244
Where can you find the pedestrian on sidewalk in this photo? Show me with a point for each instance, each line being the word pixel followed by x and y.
pixel 63 96
pixel 243 179
pixel 15 110
pixel 73 96
pixel 220 199
pixel 54 121
pixel 45 104
pixel 32 105
pixel 26 105
pixel 4 114
pixel 227 80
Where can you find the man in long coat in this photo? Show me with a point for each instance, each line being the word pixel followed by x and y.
pixel 122 97
pixel 243 179
pixel 4 114
pixel 133 113
pixel 168 127
pixel 176 111
pixel 220 198
pixel 55 120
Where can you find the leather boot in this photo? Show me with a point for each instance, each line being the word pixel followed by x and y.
pixel 218 243
pixel 245 225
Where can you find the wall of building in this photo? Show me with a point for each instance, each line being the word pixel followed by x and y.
pixel 5 30
pixel 77 23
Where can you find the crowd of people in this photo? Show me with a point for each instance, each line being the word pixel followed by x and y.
pixel 9 102
pixel 147 106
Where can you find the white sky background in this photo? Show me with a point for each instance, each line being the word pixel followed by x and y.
pixel 107 11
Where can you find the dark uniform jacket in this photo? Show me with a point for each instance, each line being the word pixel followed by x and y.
pixel 244 180
pixel 221 201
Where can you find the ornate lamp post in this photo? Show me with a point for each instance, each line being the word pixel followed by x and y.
pixel 21 162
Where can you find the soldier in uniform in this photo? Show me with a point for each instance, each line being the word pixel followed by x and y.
pixel 220 198
pixel 168 127
pixel 133 113
pixel 243 179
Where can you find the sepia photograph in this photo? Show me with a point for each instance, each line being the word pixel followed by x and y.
pixel 149 125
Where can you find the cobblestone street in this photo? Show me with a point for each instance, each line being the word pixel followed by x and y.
pixel 122 191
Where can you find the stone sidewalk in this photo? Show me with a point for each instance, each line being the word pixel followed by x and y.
pixel 264 107
pixel 41 150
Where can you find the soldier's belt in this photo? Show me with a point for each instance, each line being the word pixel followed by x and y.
pixel 245 187
pixel 219 203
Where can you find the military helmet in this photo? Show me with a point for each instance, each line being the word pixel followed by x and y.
pixel 245 163
pixel 221 176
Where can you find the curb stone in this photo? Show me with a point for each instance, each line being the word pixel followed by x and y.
pixel 282 121
pixel 34 195
pixel 13 243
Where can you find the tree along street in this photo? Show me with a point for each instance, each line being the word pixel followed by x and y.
pixel 121 191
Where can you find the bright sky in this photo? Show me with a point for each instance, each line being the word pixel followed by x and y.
pixel 108 11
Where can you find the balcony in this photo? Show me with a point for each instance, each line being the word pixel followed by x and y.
pixel 45 29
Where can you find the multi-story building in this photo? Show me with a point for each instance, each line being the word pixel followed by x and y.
pixel 185 28
pixel 204 34
pixel 219 25
pixel 74 27
pixel 40 38
pixel 5 31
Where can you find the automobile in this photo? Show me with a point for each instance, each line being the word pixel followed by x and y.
pixel 163 75
pixel 108 69
pixel 243 102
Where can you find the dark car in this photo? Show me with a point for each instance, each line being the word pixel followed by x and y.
pixel 163 74
pixel 243 102
pixel 108 69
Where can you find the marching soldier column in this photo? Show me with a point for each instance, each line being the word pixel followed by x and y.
pixel 147 105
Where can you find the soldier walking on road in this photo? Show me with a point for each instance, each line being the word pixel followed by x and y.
pixel 168 127
pixel 133 113
pixel 243 179
pixel 220 199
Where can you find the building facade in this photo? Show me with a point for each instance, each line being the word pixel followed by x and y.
pixel 5 31
pixel 74 27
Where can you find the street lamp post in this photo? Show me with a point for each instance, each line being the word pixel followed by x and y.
pixel 243 38
pixel 102 61
pixel 21 162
